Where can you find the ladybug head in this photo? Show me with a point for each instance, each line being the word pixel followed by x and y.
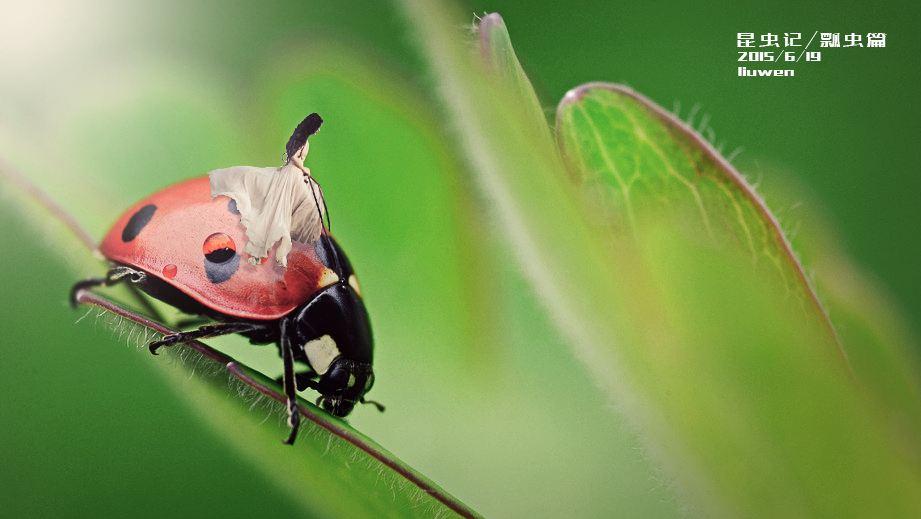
pixel 344 385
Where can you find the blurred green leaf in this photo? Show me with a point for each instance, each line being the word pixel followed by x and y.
pixel 631 156
pixel 514 159
pixel 882 348
pixel 741 396
pixel 881 345
pixel 499 57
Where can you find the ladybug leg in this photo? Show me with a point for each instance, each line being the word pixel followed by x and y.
pixel 211 330
pixel 294 418
pixel 115 276
pixel 380 407
pixel 122 273
pixel 80 286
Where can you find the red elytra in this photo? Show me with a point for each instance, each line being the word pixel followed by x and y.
pixel 171 244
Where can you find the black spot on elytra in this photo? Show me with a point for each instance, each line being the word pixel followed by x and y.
pixel 220 255
pixel 137 222
pixel 220 271
pixel 232 206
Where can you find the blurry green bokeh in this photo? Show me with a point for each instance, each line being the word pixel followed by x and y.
pixel 114 113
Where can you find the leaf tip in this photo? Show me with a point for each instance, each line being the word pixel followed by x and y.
pixel 572 97
pixel 486 29
pixel 490 21
pixel 576 94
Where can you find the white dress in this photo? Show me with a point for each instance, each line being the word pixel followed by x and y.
pixel 276 206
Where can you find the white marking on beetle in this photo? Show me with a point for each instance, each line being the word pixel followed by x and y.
pixel 327 278
pixel 353 281
pixel 321 353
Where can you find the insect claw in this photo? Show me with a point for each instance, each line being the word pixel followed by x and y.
pixel 294 422
pixel 167 340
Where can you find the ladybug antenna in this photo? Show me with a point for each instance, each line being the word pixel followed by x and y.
pixel 309 126
pixel 380 407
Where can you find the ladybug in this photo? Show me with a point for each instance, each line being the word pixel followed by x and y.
pixel 184 247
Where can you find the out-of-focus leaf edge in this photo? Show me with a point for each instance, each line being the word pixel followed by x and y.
pixel 496 47
pixel 576 94
pixel 251 379
pixel 14 178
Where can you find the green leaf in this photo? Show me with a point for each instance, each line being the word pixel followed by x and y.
pixel 347 473
pixel 632 156
pixel 720 356
pixel 499 57
pixel 881 345
pixel 516 164
pixel 739 395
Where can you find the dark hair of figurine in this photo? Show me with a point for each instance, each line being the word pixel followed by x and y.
pixel 306 128
pixel 309 126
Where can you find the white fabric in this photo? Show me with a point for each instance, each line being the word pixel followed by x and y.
pixel 276 205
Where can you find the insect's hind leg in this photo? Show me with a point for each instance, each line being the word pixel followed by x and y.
pixel 210 330
pixel 113 277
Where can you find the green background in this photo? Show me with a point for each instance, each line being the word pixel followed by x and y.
pixel 91 427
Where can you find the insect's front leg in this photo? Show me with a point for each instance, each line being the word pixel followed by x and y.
pixel 287 353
